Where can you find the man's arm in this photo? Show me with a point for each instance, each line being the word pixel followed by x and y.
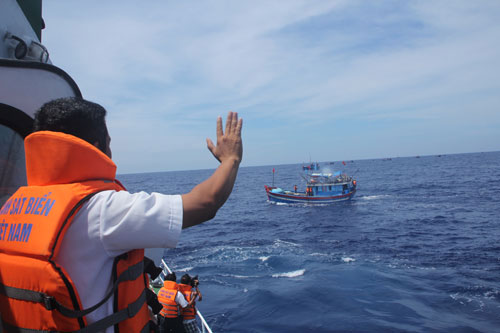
pixel 198 292
pixel 202 203
pixel 181 300
pixel 193 298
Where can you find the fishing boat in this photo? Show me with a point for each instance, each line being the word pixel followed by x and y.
pixel 28 79
pixel 321 188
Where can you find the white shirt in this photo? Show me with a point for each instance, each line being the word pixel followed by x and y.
pixel 181 300
pixel 109 224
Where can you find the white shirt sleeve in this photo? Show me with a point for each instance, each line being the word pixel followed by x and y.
pixel 181 300
pixel 125 221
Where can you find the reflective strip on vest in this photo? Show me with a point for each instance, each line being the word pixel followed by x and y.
pixel 169 311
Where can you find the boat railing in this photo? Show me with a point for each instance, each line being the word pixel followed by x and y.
pixel 204 327
pixel 327 184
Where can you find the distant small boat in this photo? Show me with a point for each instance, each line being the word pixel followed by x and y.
pixel 321 189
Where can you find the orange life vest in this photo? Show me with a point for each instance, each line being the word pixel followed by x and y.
pixel 166 296
pixel 188 312
pixel 36 293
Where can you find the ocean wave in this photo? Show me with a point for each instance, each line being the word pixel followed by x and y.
pixel 279 242
pixel 477 303
pixel 184 269
pixel 373 197
pixel 243 276
pixel 236 276
pixel 493 294
pixel 293 274
pixel 391 229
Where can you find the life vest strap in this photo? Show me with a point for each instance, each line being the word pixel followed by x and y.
pixel 9 328
pixel 50 303
pixel 131 310
pixel 70 215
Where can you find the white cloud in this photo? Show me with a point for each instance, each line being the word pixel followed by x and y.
pixel 165 70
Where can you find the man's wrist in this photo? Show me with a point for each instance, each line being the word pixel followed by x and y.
pixel 231 160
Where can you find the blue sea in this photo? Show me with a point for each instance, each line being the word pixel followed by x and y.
pixel 416 250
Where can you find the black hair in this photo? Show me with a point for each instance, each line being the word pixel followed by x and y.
pixel 186 279
pixel 75 116
pixel 171 277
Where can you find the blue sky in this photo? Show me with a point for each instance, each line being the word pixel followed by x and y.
pixel 330 80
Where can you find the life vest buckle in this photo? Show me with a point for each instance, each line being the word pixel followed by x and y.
pixel 49 302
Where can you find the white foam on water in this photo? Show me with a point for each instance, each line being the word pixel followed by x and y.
pixel 279 242
pixel 462 299
pixel 240 276
pixel 478 300
pixel 348 259
pixel 185 269
pixel 373 197
pixel 481 306
pixel 264 258
pixel 492 294
pixel 293 274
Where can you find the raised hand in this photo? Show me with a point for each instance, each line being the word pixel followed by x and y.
pixel 205 199
pixel 229 144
